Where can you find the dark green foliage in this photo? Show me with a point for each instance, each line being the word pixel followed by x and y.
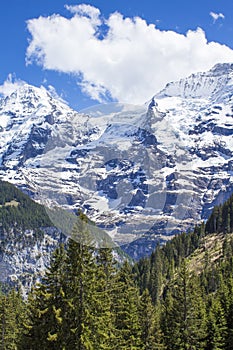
pixel 86 302
pixel 156 271
pixel 46 326
pixel 103 319
pixel 79 288
pixel 12 318
pixel 126 311
pixel 197 311
pixel 17 210
pixel 153 273
pixel 216 325
pixel 185 323
pixel 150 320
pixel 221 218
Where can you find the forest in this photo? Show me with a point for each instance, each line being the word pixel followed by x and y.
pixel 180 297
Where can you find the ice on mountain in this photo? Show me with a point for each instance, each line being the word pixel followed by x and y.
pixel 137 169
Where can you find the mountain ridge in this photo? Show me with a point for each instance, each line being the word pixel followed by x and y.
pixel 142 173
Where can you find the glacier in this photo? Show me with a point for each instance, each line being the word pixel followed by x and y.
pixel 141 173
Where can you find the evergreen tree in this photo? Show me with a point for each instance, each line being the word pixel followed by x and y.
pixel 47 309
pixel 226 298
pixel 185 319
pixel 80 269
pixel 151 334
pixel 12 316
pixel 126 311
pixel 216 325
pixel 147 320
pixel 155 282
pixel 141 270
pixel 103 322
pixel 168 322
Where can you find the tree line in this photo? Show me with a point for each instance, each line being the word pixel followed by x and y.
pixel 87 302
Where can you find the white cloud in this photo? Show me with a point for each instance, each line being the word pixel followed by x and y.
pixel 10 85
pixel 83 9
pixel 132 60
pixel 216 16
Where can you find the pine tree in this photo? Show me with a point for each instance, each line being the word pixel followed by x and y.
pixel 216 325
pixel 126 311
pixel 12 315
pixel 155 283
pixel 141 271
pixel 47 309
pixel 147 320
pixel 71 308
pixel 103 322
pixel 185 322
pixel 80 272
pixel 229 337
pixel 226 297
pixel 151 334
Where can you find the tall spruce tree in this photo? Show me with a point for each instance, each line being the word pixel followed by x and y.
pixel 155 282
pixel 103 321
pixel 12 316
pixel 126 311
pixel 216 325
pixel 80 269
pixel 184 319
pixel 47 309
pixel 151 334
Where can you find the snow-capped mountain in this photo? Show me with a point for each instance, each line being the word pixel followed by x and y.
pixel 141 173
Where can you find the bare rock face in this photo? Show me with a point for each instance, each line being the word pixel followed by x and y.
pixel 142 173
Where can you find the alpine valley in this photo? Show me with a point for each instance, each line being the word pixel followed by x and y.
pixel 141 173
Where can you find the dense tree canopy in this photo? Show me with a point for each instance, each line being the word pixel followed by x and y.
pixel 181 297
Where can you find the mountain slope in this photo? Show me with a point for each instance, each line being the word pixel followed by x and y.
pixel 142 173
pixel 27 238
pixel 207 252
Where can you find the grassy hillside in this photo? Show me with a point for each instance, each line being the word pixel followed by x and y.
pixel 211 252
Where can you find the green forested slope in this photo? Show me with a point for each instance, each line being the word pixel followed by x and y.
pixel 181 297
pixel 17 209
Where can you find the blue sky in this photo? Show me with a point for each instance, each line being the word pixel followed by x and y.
pixel 96 51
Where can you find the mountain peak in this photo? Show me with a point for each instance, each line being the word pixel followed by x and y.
pixel 28 100
pixel 202 85
pixel 27 91
pixel 148 170
pixel 222 68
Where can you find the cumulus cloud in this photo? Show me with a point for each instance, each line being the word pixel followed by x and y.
pixel 84 10
pixel 126 58
pixel 10 85
pixel 216 16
